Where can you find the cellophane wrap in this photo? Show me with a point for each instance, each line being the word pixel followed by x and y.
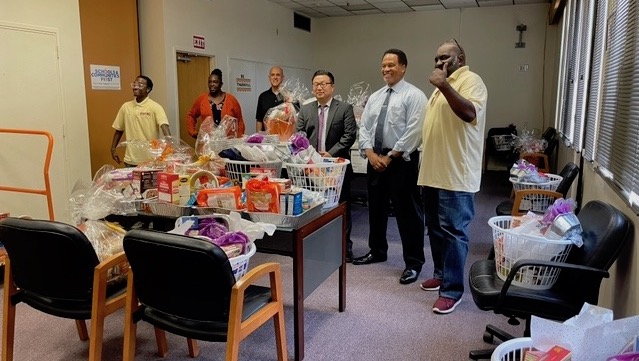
pixel 528 142
pixel 357 97
pixel 109 193
pixel 213 138
pixel 161 151
pixel 280 120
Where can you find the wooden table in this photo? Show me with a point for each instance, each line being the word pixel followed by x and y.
pixel 318 248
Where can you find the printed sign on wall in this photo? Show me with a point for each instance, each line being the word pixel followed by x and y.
pixel 105 77
pixel 243 84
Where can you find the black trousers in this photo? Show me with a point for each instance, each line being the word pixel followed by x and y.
pixel 345 196
pixel 398 184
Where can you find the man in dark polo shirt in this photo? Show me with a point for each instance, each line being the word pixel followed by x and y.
pixel 270 98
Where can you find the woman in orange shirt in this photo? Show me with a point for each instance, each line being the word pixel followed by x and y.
pixel 215 103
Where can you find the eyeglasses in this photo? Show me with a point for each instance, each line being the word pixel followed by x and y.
pixel 461 51
pixel 137 85
pixel 321 85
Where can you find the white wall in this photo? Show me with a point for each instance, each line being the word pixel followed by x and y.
pixel 253 30
pixel 352 47
pixel 71 150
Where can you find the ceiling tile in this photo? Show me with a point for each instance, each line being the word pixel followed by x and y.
pixel 350 2
pixel 367 12
pixel 397 5
pixel 487 3
pixel 421 2
pixel 454 4
pixel 429 7
pixel 333 11
pixel 352 7
pixel 368 7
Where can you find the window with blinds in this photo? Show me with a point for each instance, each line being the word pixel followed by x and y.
pixel 606 74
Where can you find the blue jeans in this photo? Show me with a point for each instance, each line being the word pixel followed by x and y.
pixel 448 214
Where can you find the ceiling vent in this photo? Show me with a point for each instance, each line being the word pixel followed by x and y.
pixel 302 22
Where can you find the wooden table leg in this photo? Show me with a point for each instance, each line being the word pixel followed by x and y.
pixel 298 300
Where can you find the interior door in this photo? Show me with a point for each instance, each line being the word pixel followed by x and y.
pixel 193 76
pixel 33 83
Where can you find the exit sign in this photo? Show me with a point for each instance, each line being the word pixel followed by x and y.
pixel 198 42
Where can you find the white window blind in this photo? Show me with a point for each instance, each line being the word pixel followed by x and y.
pixel 566 123
pixel 594 96
pixel 618 130
pixel 583 74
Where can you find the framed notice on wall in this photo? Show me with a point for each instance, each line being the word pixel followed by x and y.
pixel 105 77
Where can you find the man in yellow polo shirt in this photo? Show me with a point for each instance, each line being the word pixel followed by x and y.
pixel 453 143
pixel 138 119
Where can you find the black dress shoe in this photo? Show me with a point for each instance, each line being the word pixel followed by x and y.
pixel 408 276
pixel 368 259
pixel 349 256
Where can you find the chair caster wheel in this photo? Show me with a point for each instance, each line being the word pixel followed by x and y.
pixel 488 337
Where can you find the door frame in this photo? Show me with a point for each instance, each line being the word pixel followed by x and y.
pixel 176 95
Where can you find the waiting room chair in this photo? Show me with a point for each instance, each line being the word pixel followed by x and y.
pixel 569 173
pixel 605 231
pixel 491 150
pixel 185 286
pixel 53 268
pixel 535 200
pixel 540 160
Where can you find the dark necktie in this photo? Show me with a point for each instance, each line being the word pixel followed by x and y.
pixel 320 128
pixel 379 130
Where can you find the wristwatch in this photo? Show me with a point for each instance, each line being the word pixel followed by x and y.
pixel 390 155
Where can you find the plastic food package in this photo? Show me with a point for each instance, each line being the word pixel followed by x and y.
pixel 262 196
pixel 227 198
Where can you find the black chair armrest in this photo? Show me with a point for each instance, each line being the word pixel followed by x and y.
pixel 534 262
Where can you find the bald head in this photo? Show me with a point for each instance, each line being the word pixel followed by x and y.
pixel 276 77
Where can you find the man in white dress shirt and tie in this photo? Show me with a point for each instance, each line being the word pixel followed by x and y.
pixel 389 134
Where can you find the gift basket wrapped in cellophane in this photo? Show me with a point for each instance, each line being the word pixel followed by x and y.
pixel 109 193
pixel 213 138
pixel 280 120
pixel 160 151
pixel 357 97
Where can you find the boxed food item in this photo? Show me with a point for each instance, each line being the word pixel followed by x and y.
pixel 173 188
pixel 533 355
pixel 144 179
pixel 556 353
pixel 291 203
pixel 284 183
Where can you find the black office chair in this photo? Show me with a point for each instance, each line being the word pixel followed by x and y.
pixel 53 268
pixel 569 173
pixel 506 154
pixel 185 286
pixel 605 231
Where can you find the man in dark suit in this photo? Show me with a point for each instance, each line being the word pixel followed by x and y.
pixel 331 130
